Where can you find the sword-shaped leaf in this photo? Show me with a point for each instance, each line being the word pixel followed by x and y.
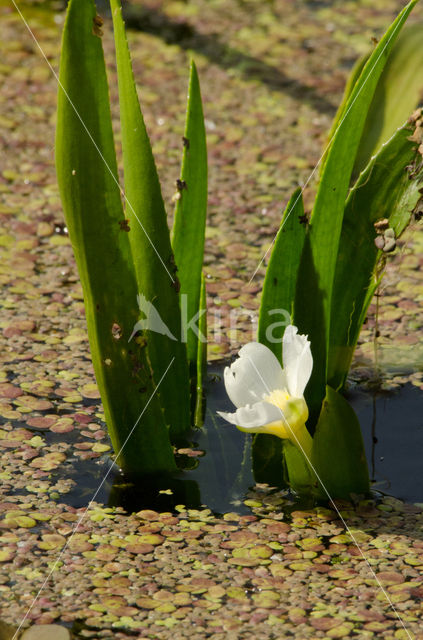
pixel 312 312
pixel 338 451
pixel 200 401
pixel 276 307
pixel 398 93
pixel 87 177
pixel 279 286
pixel 149 238
pixel 388 188
pixel 190 212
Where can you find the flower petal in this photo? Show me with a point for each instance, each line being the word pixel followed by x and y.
pixel 255 373
pixel 254 417
pixel 297 361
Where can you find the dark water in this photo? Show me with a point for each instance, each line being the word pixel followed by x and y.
pixel 392 426
pixel 218 479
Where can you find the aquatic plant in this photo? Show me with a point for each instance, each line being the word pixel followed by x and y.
pixel 147 377
pixel 324 269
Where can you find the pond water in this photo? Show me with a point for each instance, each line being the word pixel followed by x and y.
pixel 392 426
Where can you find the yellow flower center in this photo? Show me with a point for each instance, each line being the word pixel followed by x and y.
pixel 293 418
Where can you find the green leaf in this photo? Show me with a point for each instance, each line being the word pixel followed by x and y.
pixel 87 177
pixel 281 276
pixel 314 300
pixel 190 212
pixel 351 80
pixel 309 318
pixel 398 93
pixel 201 358
pixel 338 452
pixel 150 243
pixel 388 188
pixel 275 309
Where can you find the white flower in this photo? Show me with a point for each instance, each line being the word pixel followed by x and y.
pixel 270 399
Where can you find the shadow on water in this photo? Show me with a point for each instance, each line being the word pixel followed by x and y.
pixel 392 425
